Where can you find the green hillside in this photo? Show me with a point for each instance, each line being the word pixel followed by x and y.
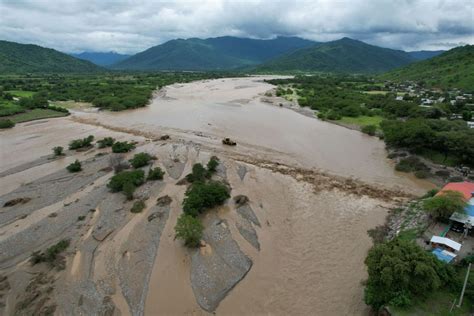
pixel 454 68
pixel 344 56
pixel 26 58
pixel 210 54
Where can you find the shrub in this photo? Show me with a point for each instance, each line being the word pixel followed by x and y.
pixel 74 167
pixel 6 123
pixel 122 147
pixel 443 173
pixel 106 142
pixel 189 229
pixel 155 174
pixel 140 160
pixel 430 193
pixel 58 151
pixel 129 189
pixel 369 129
pixel 409 164
pixel 212 164
pixel 202 196
pixel 445 204
pixel 333 115
pixel 400 271
pixel 422 174
pixel 138 206
pixel 81 218
pixel 198 174
pixel 81 143
pixel 135 177
pixel 50 254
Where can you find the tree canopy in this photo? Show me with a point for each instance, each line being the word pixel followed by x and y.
pixel 399 271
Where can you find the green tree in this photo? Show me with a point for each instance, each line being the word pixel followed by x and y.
pixel 140 160
pixel 202 196
pixel 58 151
pixel 369 129
pixel 155 174
pixel 117 182
pixel 122 147
pixel 75 166
pixel 399 271
pixel 443 205
pixel 189 229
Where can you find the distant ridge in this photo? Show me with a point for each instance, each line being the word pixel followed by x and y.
pixel 101 58
pixel 28 58
pixel 454 68
pixel 425 54
pixel 345 55
pixel 220 53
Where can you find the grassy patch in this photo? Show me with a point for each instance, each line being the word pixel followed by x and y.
pixel 21 94
pixel 362 120
pixel 36 114
pixel 438 303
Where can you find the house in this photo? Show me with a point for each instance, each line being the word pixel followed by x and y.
pixel 462 221
pixel 445 249
pixel 399 98
pixel 470 124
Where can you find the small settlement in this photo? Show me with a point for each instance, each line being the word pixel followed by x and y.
pixel 432 97
pixel 456 238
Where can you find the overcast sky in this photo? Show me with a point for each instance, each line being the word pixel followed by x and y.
pixel 134 25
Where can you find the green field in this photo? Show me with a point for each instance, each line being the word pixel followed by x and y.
pixel 35 114
pixel 21 94
pixel 362 120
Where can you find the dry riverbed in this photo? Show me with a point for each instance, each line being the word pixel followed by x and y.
pixel 296 246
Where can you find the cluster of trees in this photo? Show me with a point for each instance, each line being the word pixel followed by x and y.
pixel 203 194
pixel 401 272
pixel 450 138
pixel 406 124
pixel 115 92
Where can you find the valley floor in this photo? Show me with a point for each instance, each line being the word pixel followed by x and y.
pixel 297 246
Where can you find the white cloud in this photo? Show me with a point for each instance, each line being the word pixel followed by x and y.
pixel 131 26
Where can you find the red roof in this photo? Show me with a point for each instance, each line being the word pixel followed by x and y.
pixel 466 188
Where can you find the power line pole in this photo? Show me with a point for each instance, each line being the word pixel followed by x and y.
pixel 464 286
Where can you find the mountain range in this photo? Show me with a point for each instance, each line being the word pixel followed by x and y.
pixel 28 58
pixel 220 53
pixel 345 55
pixel 454 68
pixel 101 59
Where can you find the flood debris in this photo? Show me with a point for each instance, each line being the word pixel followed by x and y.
pixel 164 200
pixel 240 199
pixel 229 142
pixel 16 201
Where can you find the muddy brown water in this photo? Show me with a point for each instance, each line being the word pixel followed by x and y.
pixel 313 244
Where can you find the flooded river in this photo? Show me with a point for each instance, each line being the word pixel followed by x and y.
pixel 233 108
pixel 313 235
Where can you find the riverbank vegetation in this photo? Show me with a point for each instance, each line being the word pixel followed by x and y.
pixel 203 194
pixel 398 113
pixel 111 91
pixel 405 278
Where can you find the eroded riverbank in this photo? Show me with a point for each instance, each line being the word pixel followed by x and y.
pixel 298 177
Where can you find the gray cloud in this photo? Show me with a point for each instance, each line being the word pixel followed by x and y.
pixel 129 26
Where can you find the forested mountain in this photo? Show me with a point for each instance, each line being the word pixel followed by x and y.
pixel 425 54
pixel 345 55
pixel 454 68
pixel 101 59
pixel 211 54
pixel 27 58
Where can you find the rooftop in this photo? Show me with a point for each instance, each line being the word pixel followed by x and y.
pixel 446 241
pixel 466 188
